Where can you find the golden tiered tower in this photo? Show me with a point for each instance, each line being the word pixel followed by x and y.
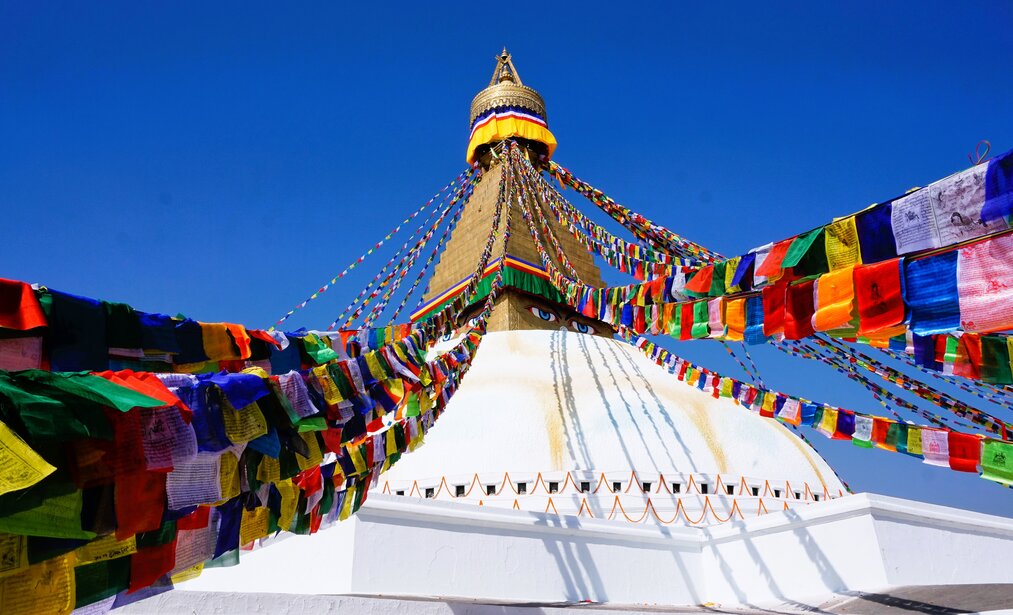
pixel 521 306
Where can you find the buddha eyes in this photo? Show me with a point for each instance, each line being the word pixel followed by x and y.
pixel 580 327
pixel 446 336
pixel 473 322
pixel 543 314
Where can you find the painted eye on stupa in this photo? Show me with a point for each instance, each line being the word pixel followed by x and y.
pixel 580 327
pixel 473 322
pixel 545 315
pixel 446 336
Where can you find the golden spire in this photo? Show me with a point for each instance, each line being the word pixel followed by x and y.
pixel 507 90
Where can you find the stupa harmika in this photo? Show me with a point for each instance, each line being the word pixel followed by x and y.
pixel 635 489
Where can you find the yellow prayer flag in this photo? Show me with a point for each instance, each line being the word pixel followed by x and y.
pixel 289 502
pixel 187 574
pixel 229 475
pixel 105 548
pixel 245 424
pixel 829 423
pixel 47 587
pixel 20 466
pixel 914 440
pixel 841 240
pixel 730 267
pixel 253 525
pixel 332 395
pixel 13 553
pixel 269 470
pixel 315 456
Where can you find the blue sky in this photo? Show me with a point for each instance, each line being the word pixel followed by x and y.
pixel 223 161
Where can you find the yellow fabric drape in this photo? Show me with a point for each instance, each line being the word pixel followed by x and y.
pixel 497 129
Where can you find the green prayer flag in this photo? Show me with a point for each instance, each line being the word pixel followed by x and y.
pixel 718 279
pixel 995 361
pixel 100 580
pixel 701 320
pixel 997 461
pixel 808 253
pixel 56 517
pixel 312 423
pixel 896 436
pixel 155 538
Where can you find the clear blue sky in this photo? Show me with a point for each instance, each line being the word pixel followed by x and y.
pixel 225 160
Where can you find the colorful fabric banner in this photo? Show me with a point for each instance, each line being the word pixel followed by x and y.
pixel 878 296
pixel 930 287
pixel 985 285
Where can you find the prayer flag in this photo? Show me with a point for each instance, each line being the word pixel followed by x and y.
pixel 735 319
pixel 985 285
pixel 997 461
pixel 798 311
pixel 773 309
pixel 930 291
pixel 807 254
pixel 19 307
pixel 875 233
pixel 935 447
pixel 842 243
pixel 835 299
pixel 701 282
pixel 878 295
pixel 965 451
pixel 771 265
pixel 998 188
pixel 754 321
pixel 863 431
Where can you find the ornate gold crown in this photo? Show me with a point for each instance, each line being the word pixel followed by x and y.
pixel 506 90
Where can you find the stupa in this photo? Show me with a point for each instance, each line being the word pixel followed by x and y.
pixel 634 489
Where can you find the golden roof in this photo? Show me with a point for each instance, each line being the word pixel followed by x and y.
pixel 506 90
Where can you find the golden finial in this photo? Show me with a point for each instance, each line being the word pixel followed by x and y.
pixel 506 89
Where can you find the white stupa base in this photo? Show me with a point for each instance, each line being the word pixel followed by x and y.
pixel 422 554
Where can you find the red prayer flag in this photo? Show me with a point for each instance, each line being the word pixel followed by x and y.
pixel 701 282
pixel 965 451
pixel 686 322
pixel 19 307
pixel 798 311
pixel 773 309
pixel 968 363
pixel 197 520
pixel 878 294
pixel 771 266
pixel 880 427
pixel 139 498
pixel 150 564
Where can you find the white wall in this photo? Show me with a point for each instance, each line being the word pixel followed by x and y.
pixel 408 547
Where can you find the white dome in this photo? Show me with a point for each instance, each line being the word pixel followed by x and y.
pixel 571 408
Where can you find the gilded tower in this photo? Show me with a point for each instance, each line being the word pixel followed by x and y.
pixel 508 109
